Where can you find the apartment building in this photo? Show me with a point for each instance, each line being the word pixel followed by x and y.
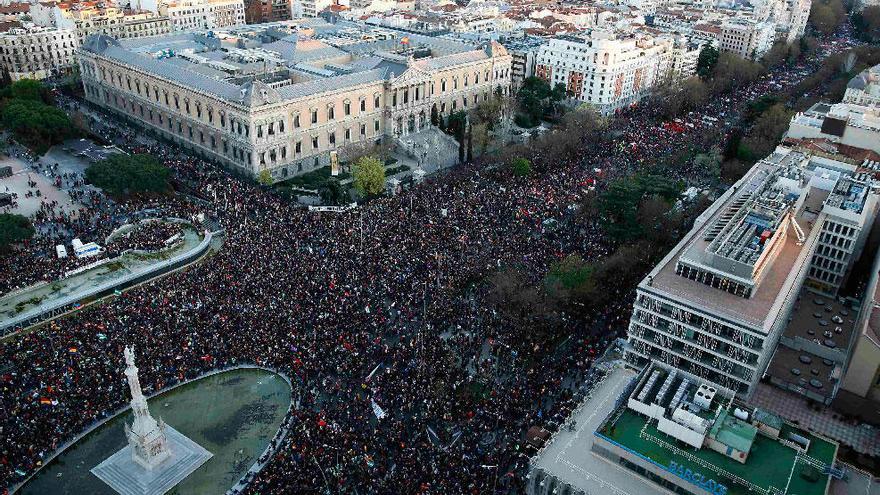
pixel 524 55
pixel 613 70
pixel 189 15
pixel 112 21
pixel 261 11
pixel 28 51
pixel 747 38
pixel 281 106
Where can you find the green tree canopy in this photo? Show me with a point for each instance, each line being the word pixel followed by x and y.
pixel 14 229
pixel 629 207
pixel 571 275
pixel 25 89
pixel 521 167
pixel 36 124
pixel 369 175
pixel 706 61
pixel 122 175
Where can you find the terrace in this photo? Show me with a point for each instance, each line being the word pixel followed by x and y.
pixel 771 468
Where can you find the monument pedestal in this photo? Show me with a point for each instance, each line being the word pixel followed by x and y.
pixel 123 474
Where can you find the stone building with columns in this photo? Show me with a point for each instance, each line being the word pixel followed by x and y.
pixel 281 106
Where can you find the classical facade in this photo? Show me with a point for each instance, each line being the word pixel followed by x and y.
pixel 33 52
pixel 287 119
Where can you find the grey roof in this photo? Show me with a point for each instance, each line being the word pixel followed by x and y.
pixel 858 82
pixel 332 84
pixel 287 49
pixel 451 60
pixel 317 54
pixel 378 63
pixel 110 48
pixel 199 68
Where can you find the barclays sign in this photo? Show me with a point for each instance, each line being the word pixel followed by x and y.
pixel 696 478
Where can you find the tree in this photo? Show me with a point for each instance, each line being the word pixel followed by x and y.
pixel 764 135
pixel 521 167
pixel 265 177
pixel 14 229
pixel 332 192
pixel 866 23
pixel 480 135
pixel 706 61
pixel 827 15
pixel 369 176
pixel 124 175
pixel 26 89
pixel 732 71
pixel 709 163
pixel 622 206
pixel 570 276
pixel 36 124
pixel 470 143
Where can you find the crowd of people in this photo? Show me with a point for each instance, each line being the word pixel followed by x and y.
pixel 151 235
pixel 396 285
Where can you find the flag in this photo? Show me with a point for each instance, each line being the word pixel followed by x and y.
pixel 45 401
pixel 72 350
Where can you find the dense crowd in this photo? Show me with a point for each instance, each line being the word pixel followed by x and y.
pixel 397 283
pixel 151 235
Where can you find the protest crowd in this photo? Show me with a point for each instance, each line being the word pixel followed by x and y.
pixel 384 304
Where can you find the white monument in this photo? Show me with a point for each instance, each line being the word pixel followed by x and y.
pixel 149 445
pixel 157 456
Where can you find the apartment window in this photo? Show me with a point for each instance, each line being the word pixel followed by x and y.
pixel 363 105
pixel 346 108
pixel 314 116
pixel 315 143
pixel 331 113
pixel 348 134
pixel 296 121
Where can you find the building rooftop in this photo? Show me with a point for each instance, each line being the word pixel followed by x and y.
pixel 724 220
pixel 770 464
pixel 226 63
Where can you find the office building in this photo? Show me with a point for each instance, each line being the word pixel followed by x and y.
pixel 786 233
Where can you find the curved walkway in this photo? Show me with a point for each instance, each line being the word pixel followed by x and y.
pixel 69 302
pixel 261 461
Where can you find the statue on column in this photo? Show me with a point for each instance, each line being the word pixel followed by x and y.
pixel 149 444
